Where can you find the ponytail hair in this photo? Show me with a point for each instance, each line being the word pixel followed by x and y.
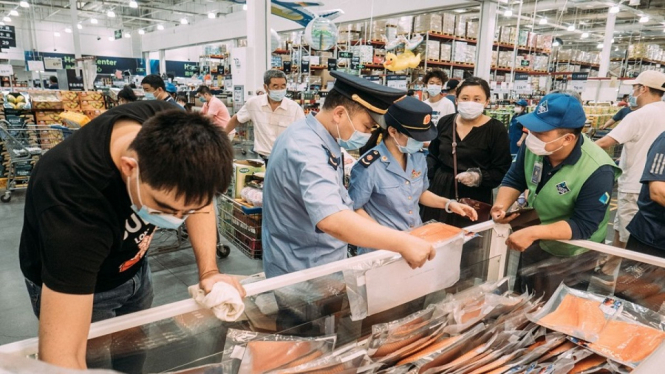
pixel 377 136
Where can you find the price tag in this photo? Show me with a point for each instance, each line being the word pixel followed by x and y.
pixel 287 66
pixel 304 66
pixel 355 63
pixel 6 70
pixel 396 81
pixel 332 64
pixel 36 65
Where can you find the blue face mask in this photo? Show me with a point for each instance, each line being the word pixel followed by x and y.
pixel 412 146
pixel 149 96
pixel 355 141
pixel 155 217
pixel 277 95
pixel 202 99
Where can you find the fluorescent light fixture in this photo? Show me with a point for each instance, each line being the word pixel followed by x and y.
pixel 555 44
pixel 56 33
pixel 459 10
pixel 211 15
pixel 644 19
pixel 543 21
pixel 585 35
pixel 508 13
pixel 111 38
pixel 184 21
pixel 141 32
pixel 133 4
pixel 67 30
pixel 24 4
pixel 244 7
pixel 128 35
pixel 615 9
pixel 160 27
pixel 6 19
pixel 110 14
pixel 79 26
pixel 93 21
pixel 600 45
pixel 571 28
pixel 13 12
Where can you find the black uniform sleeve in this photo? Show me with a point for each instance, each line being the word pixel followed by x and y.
pixel 74 245
pixel 500 158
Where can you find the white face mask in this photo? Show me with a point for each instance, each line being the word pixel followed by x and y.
pixel 518 109
pixel 434 89
pixel 537 146
pixel 470 109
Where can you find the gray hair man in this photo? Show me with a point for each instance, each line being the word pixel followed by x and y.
pixel 271 113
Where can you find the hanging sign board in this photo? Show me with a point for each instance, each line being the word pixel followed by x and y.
pixel 52 63
pixel 345 55
pixel 521 77
pixel 373 78
pixel 36 65
pixel 117 34
pixel 6 70
pixel 228 83
pixel 332 64
pixel 304 66
pixel 355 63
pixel 579 81
pixel 7 36
pixel 287 66
pixel 396 81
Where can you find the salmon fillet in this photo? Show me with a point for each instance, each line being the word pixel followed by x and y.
pixel 654 302
pixel 566 346
pixel 494 365
pixel 575 316
pixel 588 363
pixel 389 348
pixel 435 232
pixel 440 345
pixel 270 355
pixel 627 342
pixel 305 359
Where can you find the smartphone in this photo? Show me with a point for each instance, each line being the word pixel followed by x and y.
pixel 520 211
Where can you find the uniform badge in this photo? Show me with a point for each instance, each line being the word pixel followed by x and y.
pixel 415 174
pixel 427 120
pixel 369 158
pixel 562 189
pixel 543 107
pixel 332 160
pixel 605 198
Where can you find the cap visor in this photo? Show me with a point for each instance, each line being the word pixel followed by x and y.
pixel 533 123
pixel 424 136
pixel 631 82
pixel 378 118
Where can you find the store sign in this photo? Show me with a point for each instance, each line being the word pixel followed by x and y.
pixel 53 63
pixel 578 81
pixel 332 64
pixel 396 81
pixel 228 83
pixel 36 65
pixel 525 63
pixel 372 78
pixel 521 77
pixel 184 69
pixel 345 55
pixel 287 66
pixel 238 97
pixel 6 70
pixel 117 34
pixel 74 80
pixel 276 61
pixel 523 87
pixel 7 36
pixel 304 66
pixel 355 63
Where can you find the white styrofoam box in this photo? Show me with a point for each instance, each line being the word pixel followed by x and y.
pixel 449 22
pixel 405 25
pixel 446 50
pixel 459 51
pixel 428 22
pixel 433 49
pixel 470 54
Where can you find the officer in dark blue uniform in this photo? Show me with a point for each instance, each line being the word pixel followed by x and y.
pixel 516 130
pixel 307 215
pixel 389 181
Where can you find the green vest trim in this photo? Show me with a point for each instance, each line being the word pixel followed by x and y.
pixel 556 200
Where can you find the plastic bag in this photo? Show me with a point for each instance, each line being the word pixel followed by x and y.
pixel 17 100
pixel 252 195
pixel 331 363
pixel 354 277
pixel 74 120
pixel 576 313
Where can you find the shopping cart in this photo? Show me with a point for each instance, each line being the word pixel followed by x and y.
pixel 21 147
pixel 241 225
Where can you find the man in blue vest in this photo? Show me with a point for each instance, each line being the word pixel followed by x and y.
pixel 570 181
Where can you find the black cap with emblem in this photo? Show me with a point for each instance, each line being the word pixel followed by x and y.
pixel 375 97
pixel 413 118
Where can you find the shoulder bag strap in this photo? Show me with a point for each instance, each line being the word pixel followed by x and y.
pixel 454 145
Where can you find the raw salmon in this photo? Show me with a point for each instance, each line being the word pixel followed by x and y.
pixel 435 232
pixel 588 363
pixel 576 316
pixel 389 348
pixel 566 346
pixel 494 365
pixel 654 302
pixel 305 359
pixel 438 346
pixel 627 342
pixel 262 356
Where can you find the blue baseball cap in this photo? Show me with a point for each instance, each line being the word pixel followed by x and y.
pixel 521 103
pixel 555 111
pixel 171 88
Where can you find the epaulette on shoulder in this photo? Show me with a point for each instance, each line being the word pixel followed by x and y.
pixel 369 158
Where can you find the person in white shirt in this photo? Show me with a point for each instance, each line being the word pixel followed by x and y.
pixel 441 106
pixel 271 113
pixel 636 132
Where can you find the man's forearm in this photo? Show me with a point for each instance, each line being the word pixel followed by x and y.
pixel 364 213
pixel 657 192
pixel 606 142
pixel 233 123
pixel 554 231
pixel 506 197
pixel 202 230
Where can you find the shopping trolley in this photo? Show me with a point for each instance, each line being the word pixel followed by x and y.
pixel 241 225
pixel 20 149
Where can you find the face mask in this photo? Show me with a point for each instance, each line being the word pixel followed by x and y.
pixel 202 99
pixel 412 146
pixel 165 221
pixel 277 95
pixel 356 140
pixel 149 96
pixel 537 146
pixel 632 101
pixel 433 89
pixel 470 110
pixel 518 109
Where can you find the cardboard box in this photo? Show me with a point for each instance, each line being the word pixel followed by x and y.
pixel 446 50
pixel 523 38
pixel 495 58
pixel 449 23
pixel 459 53
pixel 544 42
pixel 92 96
pixel 47 117
pixel 460 26
pixel 92 105
pixel 472 30
pixel 92 114
pixel 428 22
pixel 506 34
pixel 433 50
pixel 405 25
pixel 241 169
pixel 470 54
pixel 69 95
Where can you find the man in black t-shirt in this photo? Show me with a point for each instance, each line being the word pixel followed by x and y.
pixel 92 205
pixel 155 89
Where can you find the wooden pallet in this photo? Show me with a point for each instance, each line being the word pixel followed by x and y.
pixel 472 39
pixel 433 60
pixel 441 33
pixel 464 63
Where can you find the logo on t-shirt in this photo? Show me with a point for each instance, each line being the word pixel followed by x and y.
pixel 562 188
pixel 137 234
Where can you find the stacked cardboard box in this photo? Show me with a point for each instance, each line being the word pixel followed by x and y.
pixel 505 58
pixel 378 29
pixel 405 25
pixel 446 52
pixel 365 52
pixel 92 103
pixel 544 42
pixel 495 58
pixel 459 51
pixel 470 54
pixel 523 38
pixel 449 23
pixel 506 35
pixel 428 22
pixel 433 50
pixel 472 29
pixel 637 50
pixel 540 63
pixel 460 27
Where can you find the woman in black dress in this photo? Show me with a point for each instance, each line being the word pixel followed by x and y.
pixel 483 152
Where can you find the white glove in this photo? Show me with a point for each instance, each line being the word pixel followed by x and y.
pixel 224 300
pixel 469 178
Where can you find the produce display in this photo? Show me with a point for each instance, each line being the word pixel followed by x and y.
pixel 17 100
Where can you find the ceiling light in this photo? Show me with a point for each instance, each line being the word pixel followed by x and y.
pixel 24 4
pixel 600 45
pixel 6 19
pixel 644 19
pixel 68 30
pixel 555 44
pixel 79 26
pixel 13 12
pixel 184 21
pixel 93 21
pixel 211 15
pixel 110 14
pixel 128 35
pixel 111 38
pixel 244 7
pixel 571 28
pixel 543 21
pixel 585 35
pixel 133 4
pixel 56 33
pixel 615 9
pixel 141 32
pixel 160 27
pixel 508 13
pixel 459 10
